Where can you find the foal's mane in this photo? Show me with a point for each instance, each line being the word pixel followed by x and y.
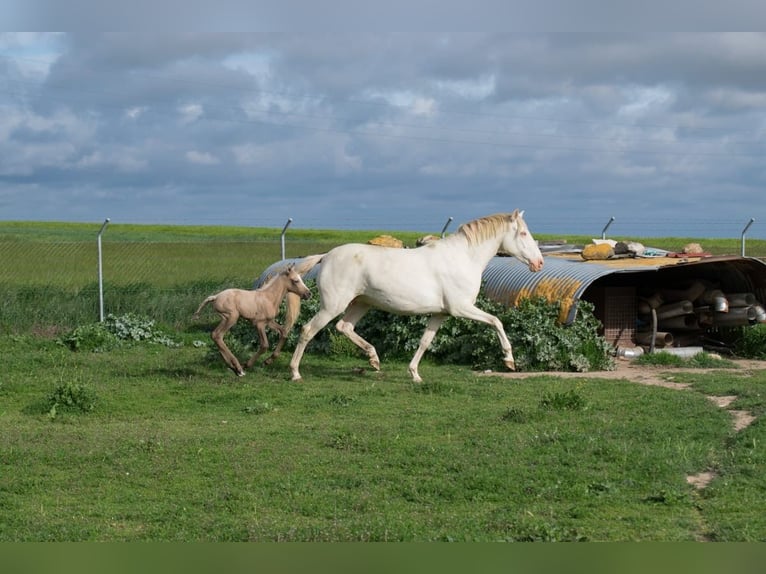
pixel 479 230
pixel 271 280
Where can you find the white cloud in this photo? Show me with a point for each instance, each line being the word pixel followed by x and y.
pixel 135 112
pixel 257 65
pixel 408 101
pixel 190 113
pixel 201 158
pixel 469 89
pixel 251 154
pixel 643 100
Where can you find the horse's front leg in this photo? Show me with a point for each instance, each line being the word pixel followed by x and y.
pixel 428 335
pixel 476 314
pixel 308 332
pixel 263 340
pixel 282 338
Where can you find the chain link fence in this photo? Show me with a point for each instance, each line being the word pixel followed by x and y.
pixel 50 284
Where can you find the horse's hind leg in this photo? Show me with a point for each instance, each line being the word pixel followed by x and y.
pixel 346 326
pixel 428 335
pixel 217 335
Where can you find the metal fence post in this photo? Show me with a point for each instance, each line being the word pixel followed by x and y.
pixel 282 238
pixel 603 232
pixel 446 225
pixel 749 223
pixel 101 274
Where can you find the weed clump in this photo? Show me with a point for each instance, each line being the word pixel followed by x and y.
pixel 70 398
pixel 113 331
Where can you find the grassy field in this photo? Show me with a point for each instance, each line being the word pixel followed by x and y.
pixel 170 446
pixel 147 442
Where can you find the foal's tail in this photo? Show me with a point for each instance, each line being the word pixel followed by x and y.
pixel 205 302
pixel 293 300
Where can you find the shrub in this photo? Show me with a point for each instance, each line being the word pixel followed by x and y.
pixel 539 341
pixel 132 327
pixel 113 331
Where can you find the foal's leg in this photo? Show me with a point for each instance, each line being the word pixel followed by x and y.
pixel 428 335
pixel 346 326
pixel 280 343
pixel 263 343
pixel 477 314
pixel 308 332
pixel 227 322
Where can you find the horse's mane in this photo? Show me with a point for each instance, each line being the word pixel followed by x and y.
pixel 479 230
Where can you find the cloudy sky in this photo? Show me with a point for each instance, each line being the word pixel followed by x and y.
pixel 664 132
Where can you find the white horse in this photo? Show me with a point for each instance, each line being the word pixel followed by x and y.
pixel 439 279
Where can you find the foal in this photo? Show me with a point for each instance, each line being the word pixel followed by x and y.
pixel 259 306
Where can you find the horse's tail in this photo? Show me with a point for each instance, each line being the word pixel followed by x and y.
pixel 293 309
pixel 308 263
pixel 205 302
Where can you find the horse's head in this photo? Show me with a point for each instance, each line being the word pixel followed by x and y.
pixel 520 243
pixel 295 283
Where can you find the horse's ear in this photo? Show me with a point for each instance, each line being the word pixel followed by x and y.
pixel 515 214
pixel 290 268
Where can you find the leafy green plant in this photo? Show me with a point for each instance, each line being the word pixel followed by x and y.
pixel 91 337
pixel 115 330
pixel 539 341
pixel 133 327
pixel 72 398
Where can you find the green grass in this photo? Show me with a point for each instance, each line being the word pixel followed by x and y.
pixel 702 360
pixel 153 443
pixel 177 448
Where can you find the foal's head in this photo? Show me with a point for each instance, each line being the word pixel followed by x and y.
pixel 520 243
pixel 294 282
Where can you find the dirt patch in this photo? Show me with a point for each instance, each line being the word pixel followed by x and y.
pixel 626 369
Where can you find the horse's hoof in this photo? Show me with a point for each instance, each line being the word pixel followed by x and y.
pixel 241 374
pixel 511 365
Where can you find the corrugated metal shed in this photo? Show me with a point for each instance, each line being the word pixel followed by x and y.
pixel 568 277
